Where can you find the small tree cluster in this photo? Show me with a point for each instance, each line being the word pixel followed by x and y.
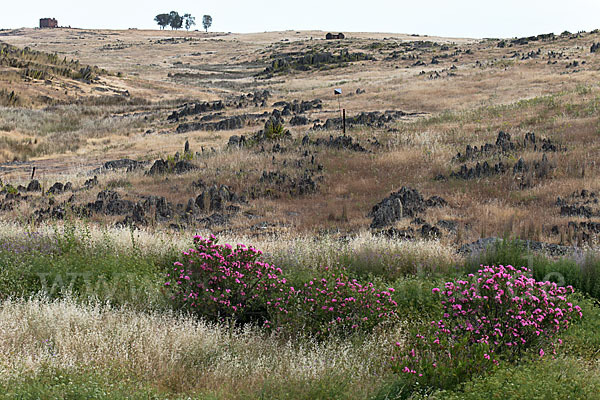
pixel 175 21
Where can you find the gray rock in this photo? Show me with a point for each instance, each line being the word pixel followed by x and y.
pixel 34 186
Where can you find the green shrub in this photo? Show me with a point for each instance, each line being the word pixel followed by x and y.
pixel 563 378
pixel 583 339
pixel 222 283
pixel 583 273
pixel 274 129
pixel 499 314
pixel 334 303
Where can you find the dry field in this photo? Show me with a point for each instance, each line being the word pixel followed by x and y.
pixel 452 92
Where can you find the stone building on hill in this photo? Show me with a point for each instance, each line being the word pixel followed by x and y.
pixel 48 23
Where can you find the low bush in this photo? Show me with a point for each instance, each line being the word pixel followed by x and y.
pixel 580 270
pixel 222 283
pixel 500 314
pixel 335 303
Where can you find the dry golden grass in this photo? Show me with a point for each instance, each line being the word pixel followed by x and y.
pixel 174 353
pixel 490 90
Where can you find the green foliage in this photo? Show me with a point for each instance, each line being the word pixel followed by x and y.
pixel 333 303
pixel 162 20
pixel 223 283
pixel 78 384
pixel 9 189
pixel 564 378
pixel 456 362
pixel 502 252
pixel 498 314
pixel 414 298
pixel 582 340
pixel 70 263
pixel 189 21
pixel 328 387
pixel 274 129
pixel 582 271
pixel 175 20
pixel 206 22
pixel 67 264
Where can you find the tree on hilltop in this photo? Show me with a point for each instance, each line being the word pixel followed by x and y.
pixel 175 20
pixel 162 20
pixel 189 21
pixel 206 22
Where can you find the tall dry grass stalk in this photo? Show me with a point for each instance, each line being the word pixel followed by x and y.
pixel 290 250
pixel 172 351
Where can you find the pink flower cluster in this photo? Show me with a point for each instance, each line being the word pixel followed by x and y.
pixel 506 308
pixel 336 303
pixel 493 315
pixel 222 282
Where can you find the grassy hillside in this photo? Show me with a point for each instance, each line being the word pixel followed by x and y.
pixel 417 108
pixel 117 147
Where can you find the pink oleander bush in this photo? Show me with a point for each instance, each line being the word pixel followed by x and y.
pixel 333 303
pixel 499 314
pixel 220 282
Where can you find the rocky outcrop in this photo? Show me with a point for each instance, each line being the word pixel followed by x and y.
pixel 275 183
pixel 161 167
pixel 34 186
pixel 195 109
pixel 576 211
pixel 227 124
pixel 504 146
pixel 407 202
pixel 308 61
pixel 298 120
pixel 90 183
pixel 344 142
pixel 236 141
pixel 373 119
pixel 584 204
pixel 215 198
pixel 115 165
pixel 109 202
pixel 59 188
pixel 297 107
pixel 479 171
pixel 256 99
